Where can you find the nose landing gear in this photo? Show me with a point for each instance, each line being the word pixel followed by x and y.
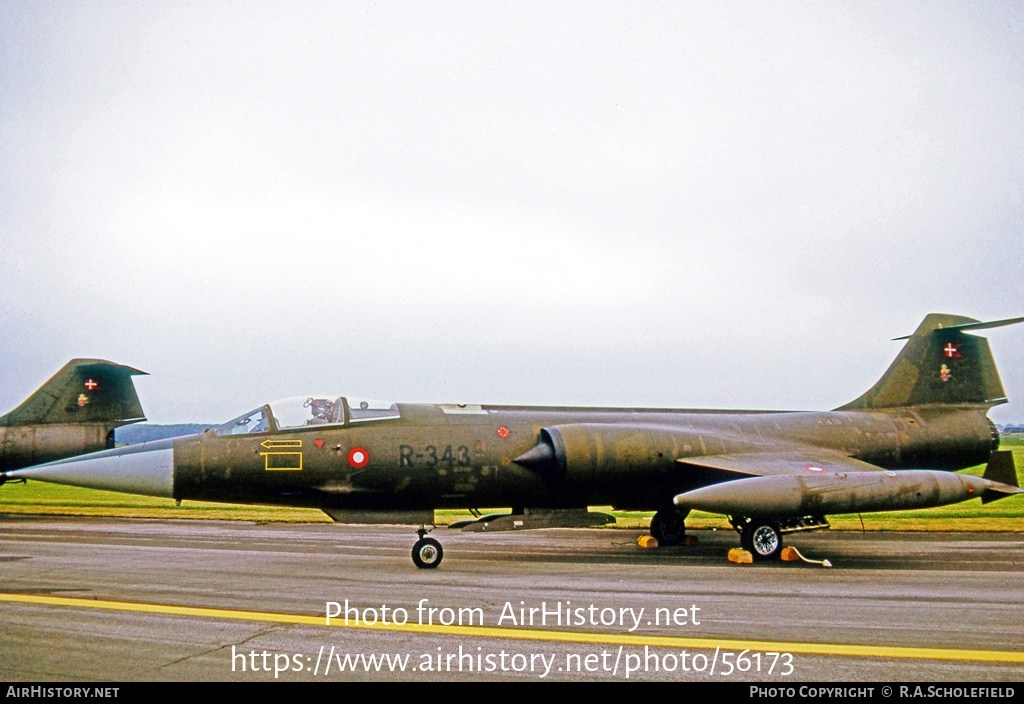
pixel 427 553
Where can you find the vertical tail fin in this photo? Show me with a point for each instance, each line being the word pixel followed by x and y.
pixel 83 391
pixel 940 364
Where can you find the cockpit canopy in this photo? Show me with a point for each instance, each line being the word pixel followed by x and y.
pixel 304 411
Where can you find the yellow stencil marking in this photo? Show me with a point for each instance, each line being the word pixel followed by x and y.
pixel 282 461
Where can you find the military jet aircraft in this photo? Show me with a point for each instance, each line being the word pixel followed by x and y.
pixel 75 412
pixel 361 461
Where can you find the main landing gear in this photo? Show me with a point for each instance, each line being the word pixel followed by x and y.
pixel 427 552
pixel 761 537
pixel 668 526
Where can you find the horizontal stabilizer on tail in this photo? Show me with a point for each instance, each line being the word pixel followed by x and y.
pixel 974 326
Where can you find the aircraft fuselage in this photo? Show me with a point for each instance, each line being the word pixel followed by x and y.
pixel 444 457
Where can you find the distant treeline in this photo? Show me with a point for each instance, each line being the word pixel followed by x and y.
pixel 143 432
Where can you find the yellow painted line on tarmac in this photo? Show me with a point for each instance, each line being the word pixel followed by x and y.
pixel 531 634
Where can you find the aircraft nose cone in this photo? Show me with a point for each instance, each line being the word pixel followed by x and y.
pixel 147 468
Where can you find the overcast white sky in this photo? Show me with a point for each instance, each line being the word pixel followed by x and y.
pixel 680 204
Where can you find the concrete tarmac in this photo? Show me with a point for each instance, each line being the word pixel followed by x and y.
pixel 144 600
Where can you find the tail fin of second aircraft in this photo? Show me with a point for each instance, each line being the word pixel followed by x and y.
pixel 940 364
pixel 83 391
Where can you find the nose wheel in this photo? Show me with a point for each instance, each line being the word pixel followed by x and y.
pixel 427 553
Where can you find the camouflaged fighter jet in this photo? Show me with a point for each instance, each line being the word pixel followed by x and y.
pixel 75 412
pixel 360 461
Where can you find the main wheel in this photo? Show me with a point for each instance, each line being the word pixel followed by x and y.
pixel 762 538
pixel 668 527
pixel 427 553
